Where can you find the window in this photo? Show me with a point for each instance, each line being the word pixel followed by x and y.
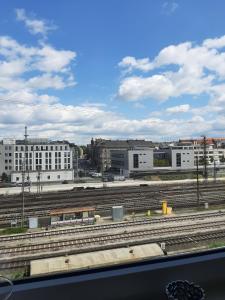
pixel 58 176
pixel 6 154
pixel 48 177
pixel 178 159
pixel 17 178
pixel 6 168
pixel 16 148
pixel 10 154
pixel 135 161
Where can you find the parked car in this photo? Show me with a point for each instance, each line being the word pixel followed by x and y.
pixel 97 175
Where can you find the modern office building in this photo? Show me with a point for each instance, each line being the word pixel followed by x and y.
pixel 100 150
pixel 132 161
pixel 36 160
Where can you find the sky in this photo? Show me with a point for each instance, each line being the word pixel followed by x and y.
pixel 117 69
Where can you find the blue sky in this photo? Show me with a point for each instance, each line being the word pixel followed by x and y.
pixel 112 69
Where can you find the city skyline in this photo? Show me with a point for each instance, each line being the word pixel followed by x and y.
pixel 90 69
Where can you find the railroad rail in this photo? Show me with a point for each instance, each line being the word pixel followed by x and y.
pixel 171 241
pixel 111 226
pixel 132 198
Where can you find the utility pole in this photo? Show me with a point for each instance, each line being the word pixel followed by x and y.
pixel 24 167
pixel 205 158
pixel 198 198
pixel 39 183
pixel 214 170
pixel 77 173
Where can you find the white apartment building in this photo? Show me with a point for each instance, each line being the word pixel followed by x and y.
pixel 41 159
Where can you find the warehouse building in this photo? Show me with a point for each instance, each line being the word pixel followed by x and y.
pixel 38 159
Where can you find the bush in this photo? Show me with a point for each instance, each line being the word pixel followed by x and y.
pixel 13 230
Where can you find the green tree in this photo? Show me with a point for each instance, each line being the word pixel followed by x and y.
pixel 5 177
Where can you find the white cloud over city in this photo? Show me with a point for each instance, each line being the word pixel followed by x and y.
pixel 33 24
pixel 32 75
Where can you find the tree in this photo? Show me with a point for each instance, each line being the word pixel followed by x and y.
pixel 5 177
pixel 222 159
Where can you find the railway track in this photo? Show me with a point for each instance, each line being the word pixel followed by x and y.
pixel 111 226
pixel 89 241
pixel 181 240
pixel 132 198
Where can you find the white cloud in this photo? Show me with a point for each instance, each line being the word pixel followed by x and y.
pixel 215 43
pixel 183 69
pixel 178 109
pixel 52 60
pixel 34 25
pixel 42 67
pixel 135 88
pixel 169 7
pixel 131 63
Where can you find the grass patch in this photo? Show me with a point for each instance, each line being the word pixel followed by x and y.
pixel 13 230
pixel 216 245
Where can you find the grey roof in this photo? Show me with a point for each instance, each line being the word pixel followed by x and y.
pixel 124 143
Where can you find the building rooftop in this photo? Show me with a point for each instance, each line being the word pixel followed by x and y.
pixel 123 143
pixel 56 212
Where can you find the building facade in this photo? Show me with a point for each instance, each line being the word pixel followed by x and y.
pixel 100 150
pixel 130 161
pixel 37 159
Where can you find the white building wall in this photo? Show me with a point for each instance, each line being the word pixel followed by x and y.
pixel 145 160
pixel 46 176
pixel 187 159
